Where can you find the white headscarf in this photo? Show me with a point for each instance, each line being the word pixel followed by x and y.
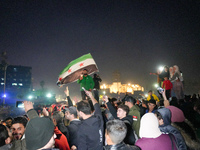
pixel 149 126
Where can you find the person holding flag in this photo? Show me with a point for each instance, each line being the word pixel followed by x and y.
pixel 86 82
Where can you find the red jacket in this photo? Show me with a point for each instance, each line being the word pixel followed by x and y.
pixel 167 84
pixel 61 140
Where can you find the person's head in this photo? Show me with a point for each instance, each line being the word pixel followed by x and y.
pixel 84 109
pixel 113 101
pixel 160 119
pixel 57 117
pixel 40 133
pixel 18 127
pixel 149 127
pixel 150 92
pixel 130 101
pixel 164 116
pixel 165 78
pixel 9 121
pixel 115 132
pixel 166 68
pixel 85 72
pixel 4 137
pixel 122 111
pixel 95 75
pixel 151 104
pixel 171 70
pixel 71 113
pixel 175 68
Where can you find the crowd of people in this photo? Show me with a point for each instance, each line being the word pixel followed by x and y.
pixel 164 122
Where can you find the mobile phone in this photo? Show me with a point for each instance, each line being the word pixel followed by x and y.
pixel 160 89
pixel 83 88
pixel 19 104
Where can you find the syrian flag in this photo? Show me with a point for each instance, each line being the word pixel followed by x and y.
pixel 72 72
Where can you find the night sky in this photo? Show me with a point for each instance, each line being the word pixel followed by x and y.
pixel 133 37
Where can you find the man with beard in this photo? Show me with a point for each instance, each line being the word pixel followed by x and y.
pixel 85 81
pixel 18 129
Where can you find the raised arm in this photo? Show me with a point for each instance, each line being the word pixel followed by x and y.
pixel 68 98
pixel 110 107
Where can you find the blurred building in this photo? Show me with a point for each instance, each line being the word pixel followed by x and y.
pixel 17 80
pixel 118 87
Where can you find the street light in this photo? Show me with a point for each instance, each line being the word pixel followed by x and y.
pixel 161 68
pixel 156 85
pixel 30 97
pixel 49 95
pixel 104 92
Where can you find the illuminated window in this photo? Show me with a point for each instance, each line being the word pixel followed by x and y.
pixel 2 83
pixel 2 79
pixel 20 84
pixel 14 84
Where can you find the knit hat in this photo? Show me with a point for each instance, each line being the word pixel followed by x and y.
pixel 149 126
pixel 39 131
pixel 176 114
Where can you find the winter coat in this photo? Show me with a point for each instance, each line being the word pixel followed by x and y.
pixel 151 136
pixel 90 132
pixel 73 129
pixel 135 112
pixel 121 146
pixel 185 127
pixel 61 140
pixel 87 82
pixel 128 120
pixel 167 128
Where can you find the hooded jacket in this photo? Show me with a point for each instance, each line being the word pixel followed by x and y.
pixel 90 132
pixel 151 136
pixel 167 128
pixel 128 120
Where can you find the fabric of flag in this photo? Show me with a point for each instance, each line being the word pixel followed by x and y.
pixel 72 72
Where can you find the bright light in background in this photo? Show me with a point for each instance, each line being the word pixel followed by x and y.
pixel 156 85
pixel 161 68
pixel 4 95
pixel 146 95
pixel 129 84
pixel 30 97
pixel 104 92
pixel 49 95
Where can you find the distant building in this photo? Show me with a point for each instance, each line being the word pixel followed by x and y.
pixel 117 87
pixel 18 80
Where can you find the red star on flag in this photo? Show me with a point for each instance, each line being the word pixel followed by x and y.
pixel 70 70
pixel 60 79
pixel 81 64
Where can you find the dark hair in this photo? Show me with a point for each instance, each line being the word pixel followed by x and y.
pixel 58 116
pixel 159 116
pixel 116 130
pixel 84 107
pixel 21 120
pixel 85 70
pixel 3 135
pixel 125 108
pixel 9 118
pixel 150 91
pixel 130 99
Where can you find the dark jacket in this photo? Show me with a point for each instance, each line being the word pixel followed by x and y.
pixel 121 146
pixel 90 132
pixel 167 128
pixel 73 129
pixel 63 129
pixel 96 82
pixel 128 120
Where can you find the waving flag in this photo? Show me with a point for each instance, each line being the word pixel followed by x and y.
pixel 72 72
